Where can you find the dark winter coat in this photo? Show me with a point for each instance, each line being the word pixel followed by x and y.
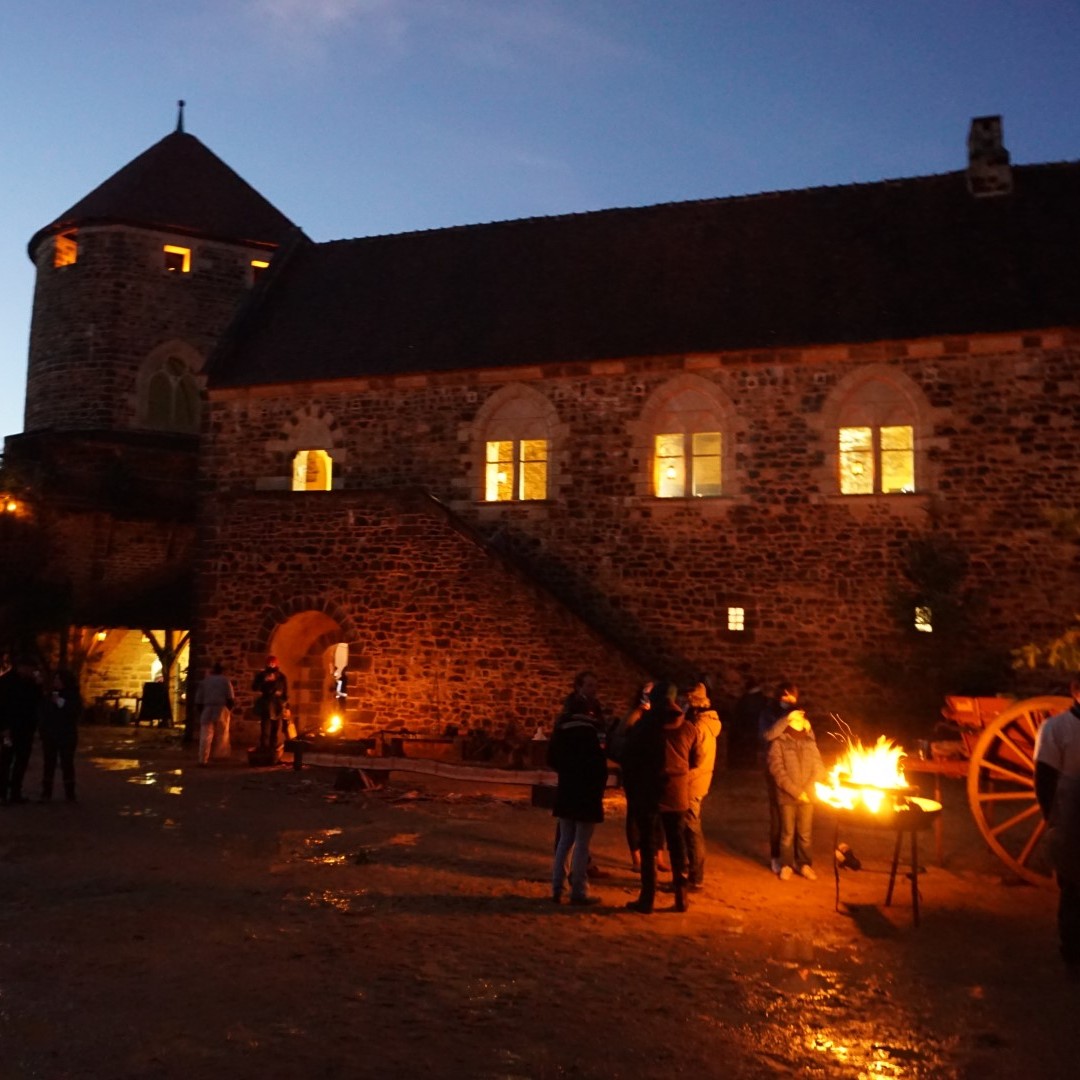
pixel 60 714
pixel 660 752
pixel 575 753
pixel 20 702
pixel 795 764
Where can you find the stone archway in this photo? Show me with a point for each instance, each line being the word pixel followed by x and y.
pixel 304 636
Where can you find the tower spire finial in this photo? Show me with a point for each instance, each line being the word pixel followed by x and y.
pixel 180 115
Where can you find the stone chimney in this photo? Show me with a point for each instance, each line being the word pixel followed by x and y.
pixel 988 171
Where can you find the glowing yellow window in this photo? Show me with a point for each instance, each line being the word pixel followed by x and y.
pixel 736 619
pixel 65 250
pixel 669 466
pixel 675 471
pixel 177 259
pixel 705 466
pixel 312 471
pixel 897 459
pixel 924 619
pixel 516 469
pixel 877 459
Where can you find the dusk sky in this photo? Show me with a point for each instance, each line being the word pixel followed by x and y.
pixel 358 117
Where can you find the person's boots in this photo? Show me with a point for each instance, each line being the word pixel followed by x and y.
pixel 682 900
pixel 69 791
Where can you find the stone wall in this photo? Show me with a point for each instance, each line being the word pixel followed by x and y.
pixel 442 633
pixel 819 574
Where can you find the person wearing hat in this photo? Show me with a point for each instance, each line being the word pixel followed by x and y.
pixel 272 688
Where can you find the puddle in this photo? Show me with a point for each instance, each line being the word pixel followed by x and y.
pixel 166 780
pixel 116 764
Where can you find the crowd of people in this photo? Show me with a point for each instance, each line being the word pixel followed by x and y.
pixel 665 745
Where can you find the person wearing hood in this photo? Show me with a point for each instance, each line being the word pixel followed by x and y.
pixel 706 723
pixel 661 751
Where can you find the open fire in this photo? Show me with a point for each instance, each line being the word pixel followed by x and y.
pixel 868 778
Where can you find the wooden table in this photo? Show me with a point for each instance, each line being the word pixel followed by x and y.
pixel 954 768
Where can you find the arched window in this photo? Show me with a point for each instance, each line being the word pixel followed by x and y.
pixel 687 427
pixel 515 428
pixel 875 425
pixel 168 391
pixel 313 470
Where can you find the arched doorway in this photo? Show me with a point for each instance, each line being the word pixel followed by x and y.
pixel 311 652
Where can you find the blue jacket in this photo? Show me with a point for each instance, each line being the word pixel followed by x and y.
pixel 795 764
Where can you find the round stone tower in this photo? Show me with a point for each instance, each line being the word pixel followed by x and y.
pixel 135 285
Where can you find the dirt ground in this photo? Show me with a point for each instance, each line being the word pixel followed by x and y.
pixel 237 922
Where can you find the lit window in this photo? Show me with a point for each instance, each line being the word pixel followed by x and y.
pixel 516 469
pixel 736 619
pixel 877 459
pixel 257 267
pixel 923 620
pixel 312 471
pixel 177 259
pixel 687 464
pixel 65 250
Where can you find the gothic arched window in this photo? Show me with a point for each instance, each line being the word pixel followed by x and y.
pixel 875 428
pixel 515 429
pixel 686 423
pixel 168 392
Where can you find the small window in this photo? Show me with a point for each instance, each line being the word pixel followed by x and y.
pixel 65 250
pixel 687 464
pixel 736 619
pixel 313 470
pixel 877 460
pixel 924 619
pixel 177 259
pixel 257 268
pixel 516 469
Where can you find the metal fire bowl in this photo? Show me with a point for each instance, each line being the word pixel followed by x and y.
pixel 917 814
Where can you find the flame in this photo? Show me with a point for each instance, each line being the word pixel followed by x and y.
pixel 863 776
pixel 333 725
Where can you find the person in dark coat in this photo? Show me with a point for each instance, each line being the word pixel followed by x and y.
pixel 20 700
pixel 577 756
pixel 661 750
pixel 272 688
pixel 618 740
pixel 61 711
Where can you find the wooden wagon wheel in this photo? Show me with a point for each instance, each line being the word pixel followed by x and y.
pixel 1001 787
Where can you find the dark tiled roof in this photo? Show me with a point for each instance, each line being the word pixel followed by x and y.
pixel 180 186
pixel 895 259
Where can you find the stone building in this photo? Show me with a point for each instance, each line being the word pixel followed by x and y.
pixel 826 433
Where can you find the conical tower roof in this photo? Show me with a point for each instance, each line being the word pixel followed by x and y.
pixel 178 185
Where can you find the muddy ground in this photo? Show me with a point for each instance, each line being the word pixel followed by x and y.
pixel 237 922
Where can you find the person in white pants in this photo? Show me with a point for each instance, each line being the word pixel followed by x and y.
pixel 216 700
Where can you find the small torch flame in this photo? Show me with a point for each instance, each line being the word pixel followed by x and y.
pixel 333 725
pixel 864 776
